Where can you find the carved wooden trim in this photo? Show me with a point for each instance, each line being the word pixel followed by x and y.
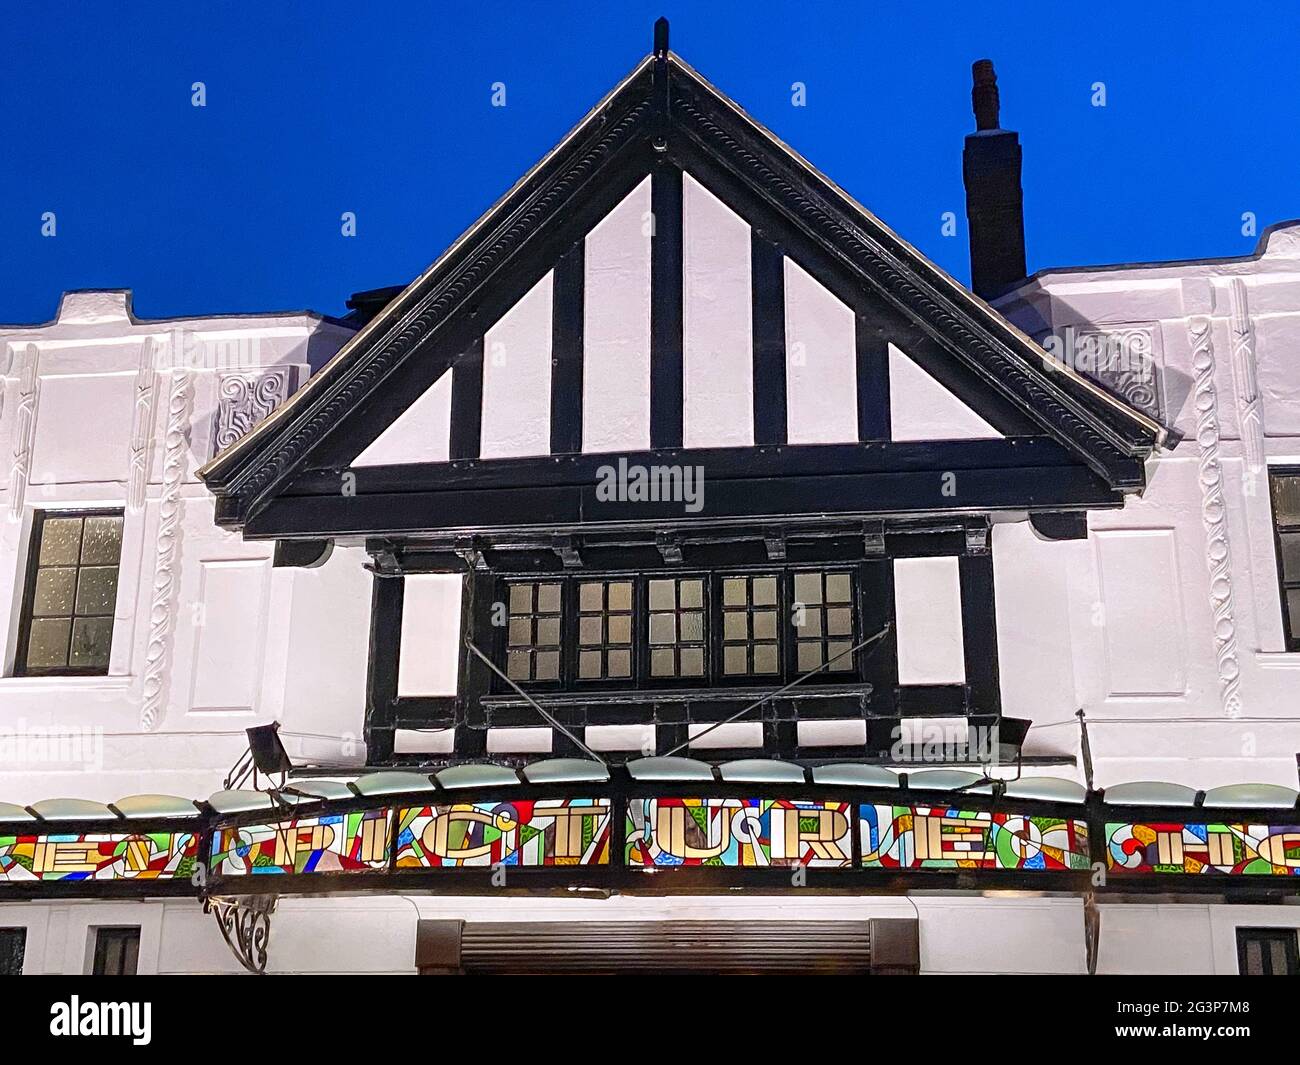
pixel 176 443
pixel 141 427
pixel 25 430
pixel 450 287
pixel 1214 515
pixel 903 284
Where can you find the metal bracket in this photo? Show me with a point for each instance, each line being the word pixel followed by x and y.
pixel 670 548
pixel 245 924
pixel 566 547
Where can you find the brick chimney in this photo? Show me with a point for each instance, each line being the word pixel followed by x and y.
pixel 994 203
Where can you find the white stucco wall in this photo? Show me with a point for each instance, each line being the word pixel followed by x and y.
pixel 208 637
pixel 1165 625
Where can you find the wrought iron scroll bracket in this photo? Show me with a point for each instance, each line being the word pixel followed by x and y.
pixel 245 924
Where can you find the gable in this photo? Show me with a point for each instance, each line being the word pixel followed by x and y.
pixel 716 294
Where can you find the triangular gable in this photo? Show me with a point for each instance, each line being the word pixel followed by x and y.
pixel 665 118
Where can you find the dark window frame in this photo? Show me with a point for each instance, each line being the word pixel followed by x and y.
pixel 18 934
pixel 39 518
pixel 118 947
pixel 1288 937
pixel 1290 626
pixel 714 676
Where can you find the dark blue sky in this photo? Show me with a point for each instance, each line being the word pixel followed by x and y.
pixel 318 108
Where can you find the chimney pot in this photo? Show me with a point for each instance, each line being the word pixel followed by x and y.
pixel 984 94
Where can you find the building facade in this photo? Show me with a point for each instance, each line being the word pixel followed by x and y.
pixel 681 558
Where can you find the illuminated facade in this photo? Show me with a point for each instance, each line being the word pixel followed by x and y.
pixel 736 571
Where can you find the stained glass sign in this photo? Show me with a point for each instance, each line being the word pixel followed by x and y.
pixel 935 837
pixel 739 833
pixel 98 856
pixel 354 842
pixel 1175 847
pixel 542 832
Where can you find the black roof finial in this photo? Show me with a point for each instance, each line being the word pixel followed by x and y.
pixel 984 94
pixel 661 37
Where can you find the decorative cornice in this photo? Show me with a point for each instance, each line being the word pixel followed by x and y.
pixel 1214 515
pixel 161 620
pixel 141 427
pixel 29 387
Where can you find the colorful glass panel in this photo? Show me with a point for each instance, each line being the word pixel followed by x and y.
pixel 543 832
pixel 98 856
pixel 738 833
pixel 1174 847
pixel 936 837
pixel 354 842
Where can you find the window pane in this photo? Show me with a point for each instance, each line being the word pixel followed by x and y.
pixel 13 947
pixel 590 630
pixel 102 540
pixel 692 661
pixel 521 631
pixel 1286 498
pixel 808 588
pixel 1293 609
pixel 839 588
pixel 691 594
pixel 692 628
pixel 548 598
pixel 620 596
pixel 60 542
pixel 620 663
pixel 91 640
pixel 765 660
pixel 96 590
pixel 661 662
pixel 548 665
pixel 591 596
pixel 663 628
pixel 735 660
pixel 839 648
pixel 589 665
pixel 47 645
pixel 54 591
pixel 839 621
pixel 810 655
pixel 620 629
pixel 521 598
pixel 765 591
pixel 661 595
pixel 1290 556
pixel 735 625
pixel 517 665
pixel 733 591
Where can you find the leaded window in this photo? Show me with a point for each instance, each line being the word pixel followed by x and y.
pixel 1285 485
pixel 533 631
pixel 677 627
pixel 117 951
pixel 605 630
pixel 13 947
pixel 71 593
pixel 1267 952
pixel 822 617
pixel 750 626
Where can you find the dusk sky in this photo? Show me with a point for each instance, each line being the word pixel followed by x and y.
pixel 386 110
